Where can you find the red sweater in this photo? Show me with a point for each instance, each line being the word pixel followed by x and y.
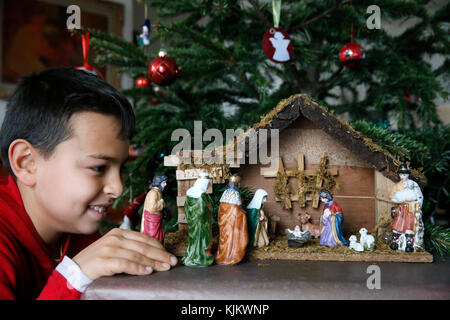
pixel 26 267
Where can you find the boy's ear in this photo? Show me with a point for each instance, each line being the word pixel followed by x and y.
pixel 22 161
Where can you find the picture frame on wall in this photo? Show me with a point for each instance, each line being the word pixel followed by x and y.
pixel 34 36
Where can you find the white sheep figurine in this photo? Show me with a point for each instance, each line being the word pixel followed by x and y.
pixel 355 245
pixel 366 240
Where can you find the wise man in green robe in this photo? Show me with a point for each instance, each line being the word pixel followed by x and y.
pixel 198 210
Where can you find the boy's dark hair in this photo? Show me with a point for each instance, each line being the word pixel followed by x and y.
pixel 40 108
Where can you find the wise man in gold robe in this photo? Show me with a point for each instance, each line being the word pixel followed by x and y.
pixel 232 221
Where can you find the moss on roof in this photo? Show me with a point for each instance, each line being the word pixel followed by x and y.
pixel 266 121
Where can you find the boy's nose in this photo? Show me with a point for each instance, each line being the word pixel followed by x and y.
pixel 113 186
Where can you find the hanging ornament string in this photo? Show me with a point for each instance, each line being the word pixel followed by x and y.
pixel 86 66
pixel 147 21
pixel 351 33
pixel 85 44
pixel 351 54
pixel 276 9
pixel 162 41
pixel 351 27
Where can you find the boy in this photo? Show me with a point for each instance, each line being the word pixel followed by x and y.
pixel 64 139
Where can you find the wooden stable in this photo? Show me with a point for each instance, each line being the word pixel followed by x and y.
pixel 308 134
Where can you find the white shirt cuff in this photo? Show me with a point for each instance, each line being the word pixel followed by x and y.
pixel 73 274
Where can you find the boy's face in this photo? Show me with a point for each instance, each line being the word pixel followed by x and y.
pixel 76 184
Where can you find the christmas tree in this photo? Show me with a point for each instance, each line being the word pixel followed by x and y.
pixel 227 80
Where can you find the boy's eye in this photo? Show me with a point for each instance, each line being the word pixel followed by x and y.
pixel 99 169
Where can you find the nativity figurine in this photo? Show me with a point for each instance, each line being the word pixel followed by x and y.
pixel 198 210
pixel 407 226
pixel 332 222
pixel 257 220
pixel 232 222
pixel 152 222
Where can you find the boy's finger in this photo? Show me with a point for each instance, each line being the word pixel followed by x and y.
pixel 118 265
pixel 139 236
pixel 133 256
pixel 153 253
pixel 133 239
pixel 161 266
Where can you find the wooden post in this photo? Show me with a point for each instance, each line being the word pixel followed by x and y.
pixel 287 201
pixel 315 203
pixel 383 187
pixel 301 187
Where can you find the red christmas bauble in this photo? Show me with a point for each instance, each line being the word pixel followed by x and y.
pixel 277 45
pixel 142 82
pixel 163 70
pixel 351 55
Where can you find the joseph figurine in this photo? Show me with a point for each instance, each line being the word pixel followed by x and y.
pixel 232 221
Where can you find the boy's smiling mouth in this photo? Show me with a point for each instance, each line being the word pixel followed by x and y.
pixel 98 211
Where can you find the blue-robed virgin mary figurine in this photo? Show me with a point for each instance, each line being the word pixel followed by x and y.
pixel 332 222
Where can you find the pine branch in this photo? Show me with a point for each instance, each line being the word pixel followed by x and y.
pixel 119 52
pixel 134 71
pixel 118 41
pixel 261 16
pixel 204 41
pixel 400 145
pixel 316 18
pixel 437 238
pixel 118 61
